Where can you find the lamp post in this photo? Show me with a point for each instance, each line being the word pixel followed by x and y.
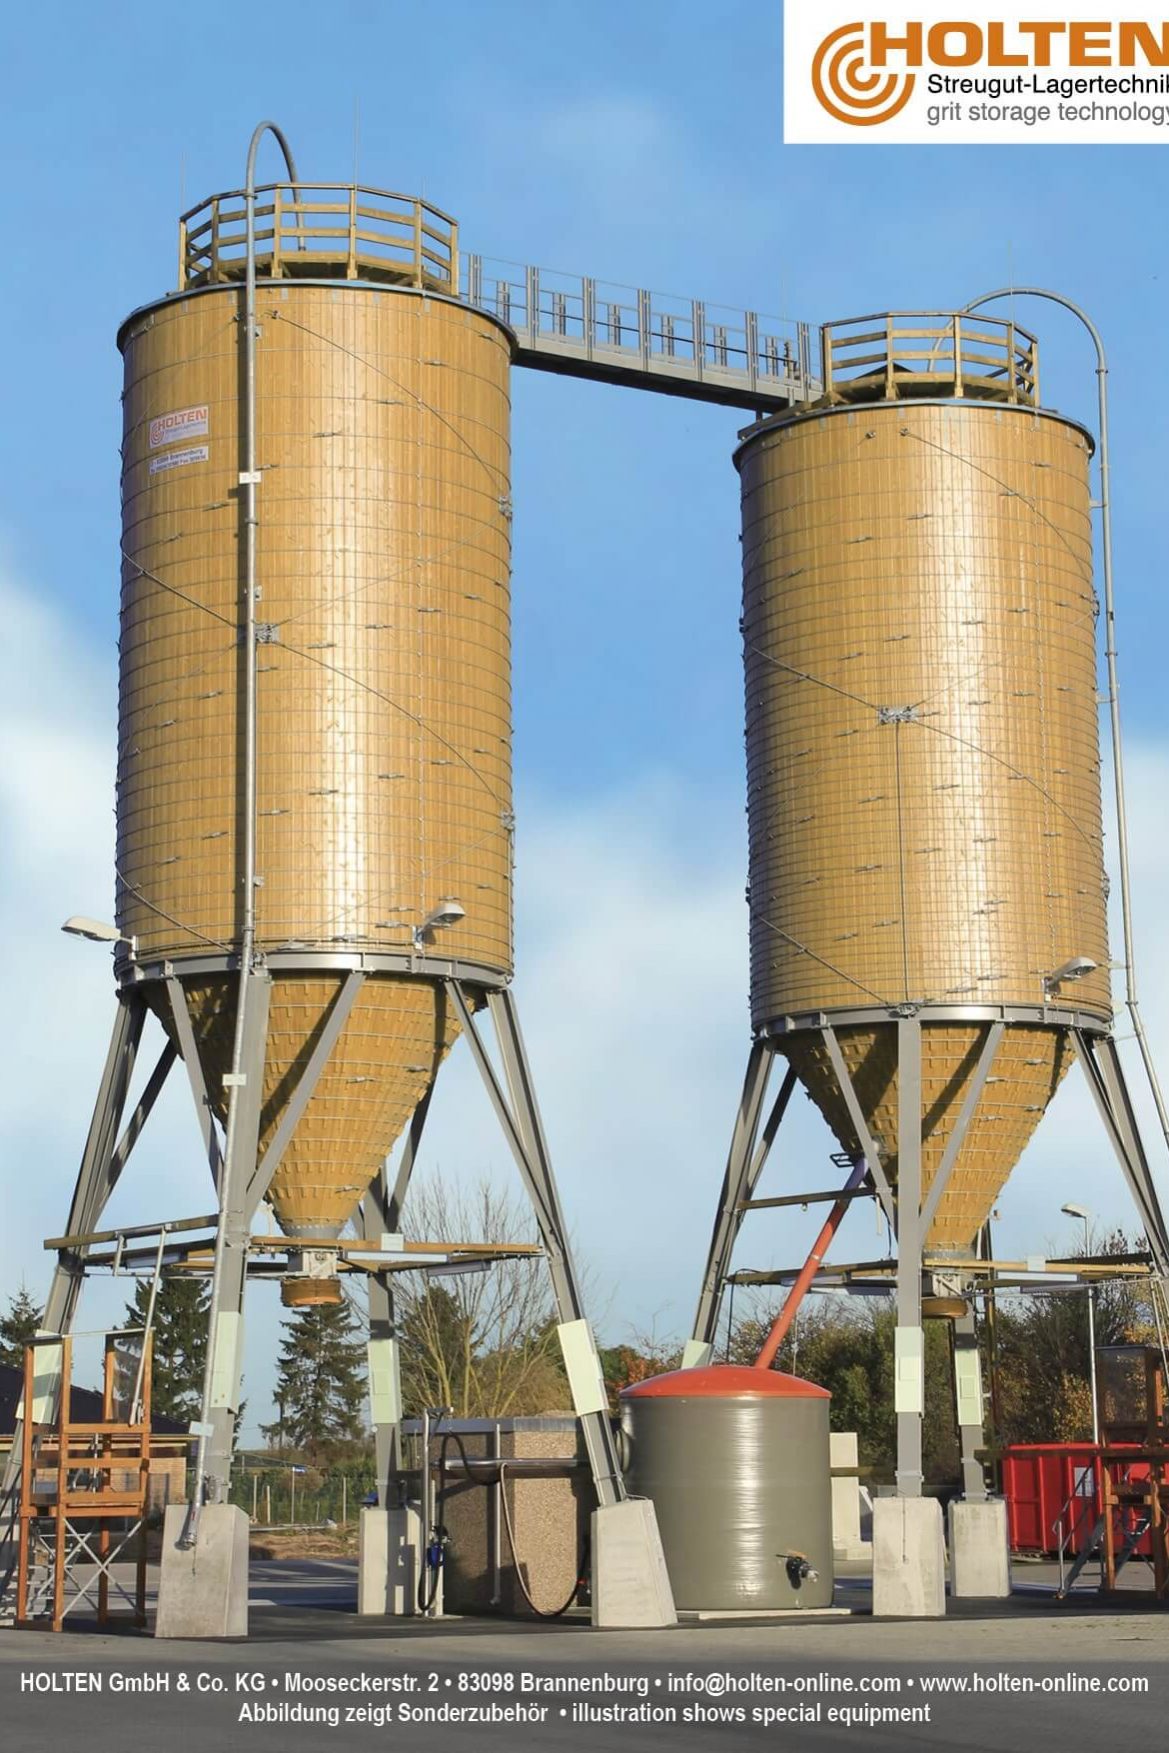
pixel 1085 1218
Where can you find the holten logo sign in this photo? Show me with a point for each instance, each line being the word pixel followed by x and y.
pixel 944 74
pixel 850 79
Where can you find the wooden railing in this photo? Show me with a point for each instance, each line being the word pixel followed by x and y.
pixel 321 230
pixel 914 353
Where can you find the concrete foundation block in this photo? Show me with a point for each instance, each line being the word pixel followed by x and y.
pixel 847 1541
pixel 909 1558
pixel 980 1562
pixel 391 1554
pixel 631 1585
pixel 203 1591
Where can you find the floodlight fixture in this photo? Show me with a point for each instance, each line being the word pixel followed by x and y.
pixel 1073 969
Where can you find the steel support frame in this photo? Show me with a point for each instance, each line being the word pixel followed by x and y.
pixel 910 1214
pixel 517 1110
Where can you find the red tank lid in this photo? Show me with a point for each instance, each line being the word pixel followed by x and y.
pixel 725 1381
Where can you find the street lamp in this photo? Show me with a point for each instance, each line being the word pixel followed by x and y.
pixel 1085 1217
pixel 448 912
pixel 1074 969
pixel 97 931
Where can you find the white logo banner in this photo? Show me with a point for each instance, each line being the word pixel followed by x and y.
pixel 941 72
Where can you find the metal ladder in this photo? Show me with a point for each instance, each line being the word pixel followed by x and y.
pixel 9 1547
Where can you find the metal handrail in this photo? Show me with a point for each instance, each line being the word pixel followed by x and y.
pixel 1089 1503
pixel 577 324
pixel 334 230
pixel 898 353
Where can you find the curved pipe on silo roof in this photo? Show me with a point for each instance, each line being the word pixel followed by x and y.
pixel 1130 969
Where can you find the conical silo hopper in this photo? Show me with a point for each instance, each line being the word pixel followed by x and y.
pixel 924 793
pixel 383 764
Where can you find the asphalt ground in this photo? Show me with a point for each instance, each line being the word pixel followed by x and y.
pixel 1026 1673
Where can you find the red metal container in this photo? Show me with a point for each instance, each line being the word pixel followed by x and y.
pixel 1052 1490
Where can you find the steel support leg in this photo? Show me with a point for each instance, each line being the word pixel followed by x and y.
pixel 237 1207
pixel 523 1128
pixel 385 1375
pixel 1106 1079
pixel 968 1401
pixel 744 1166
pixel 99 1170
pixel 909 1338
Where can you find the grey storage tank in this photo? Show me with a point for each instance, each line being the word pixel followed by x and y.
pixel 736 1463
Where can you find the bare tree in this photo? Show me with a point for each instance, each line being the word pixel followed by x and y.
pixel 482 1342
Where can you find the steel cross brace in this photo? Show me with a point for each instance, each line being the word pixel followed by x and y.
pixel 520 1120
pixel 865 1138
pixel 189 1052
pixel 1106 1080
pixel 103 1566
pixel 262 1174
pixel 745 1163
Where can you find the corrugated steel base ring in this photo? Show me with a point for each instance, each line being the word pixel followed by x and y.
pixel 131 973
pixel 1045 1016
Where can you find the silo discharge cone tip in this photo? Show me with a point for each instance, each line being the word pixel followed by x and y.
pixel 311 1281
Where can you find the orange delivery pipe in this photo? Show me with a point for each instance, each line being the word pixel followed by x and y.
pixel 808 1271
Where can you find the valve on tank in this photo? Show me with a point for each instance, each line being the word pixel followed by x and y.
pixel 798 1569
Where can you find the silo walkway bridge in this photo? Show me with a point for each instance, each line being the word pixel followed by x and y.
pixel 570 324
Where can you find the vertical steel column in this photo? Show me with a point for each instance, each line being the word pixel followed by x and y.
pixel 738 1184
pixel 968 1401
pixel 909 1338
pixel 222 1376
pixel 524 1131
pixel 378 1218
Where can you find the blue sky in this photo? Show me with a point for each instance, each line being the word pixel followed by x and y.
pixel 642 148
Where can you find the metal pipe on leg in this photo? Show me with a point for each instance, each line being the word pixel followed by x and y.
pixel 969 1405
pixel 909 1338
pixel 385 1385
